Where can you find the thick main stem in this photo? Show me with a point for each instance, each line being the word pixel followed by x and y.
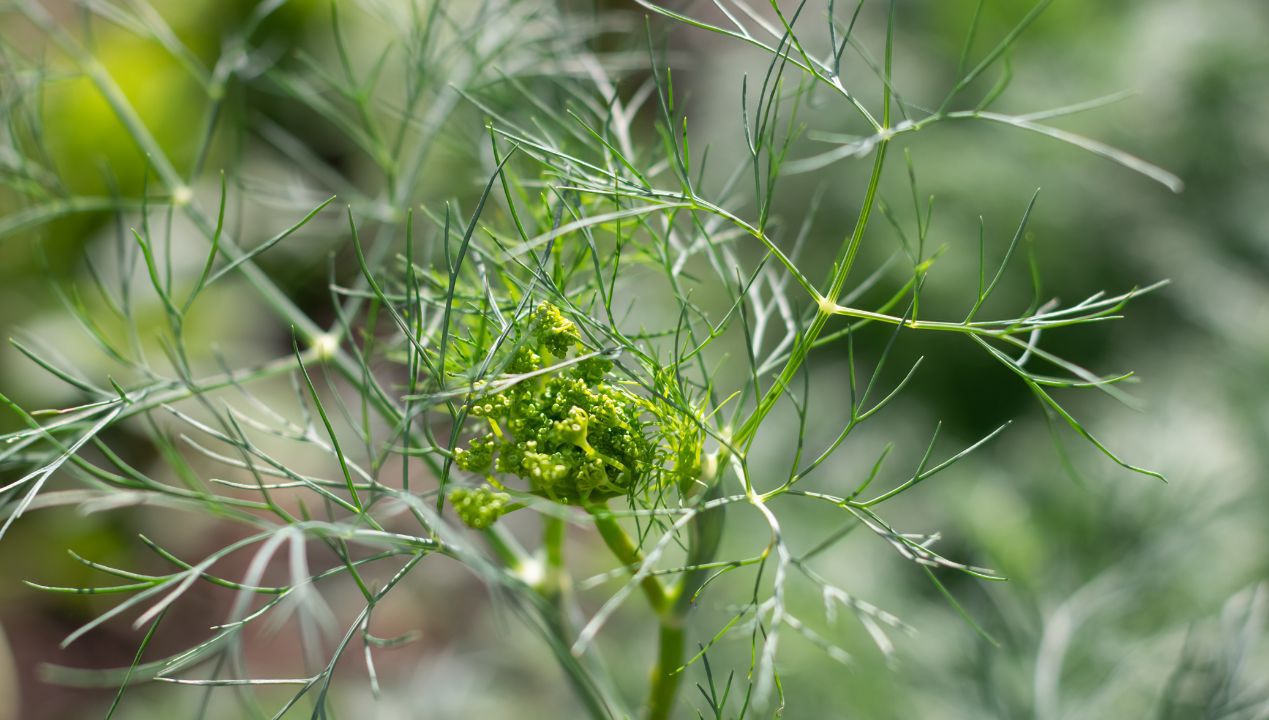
pixel 624 549
pixel 671 614
pixel 705 534
pixel 665 674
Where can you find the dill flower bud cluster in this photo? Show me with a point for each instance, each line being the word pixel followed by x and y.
pixel 480 507
pixel 573 436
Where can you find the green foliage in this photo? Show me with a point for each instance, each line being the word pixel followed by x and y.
pixel 596 333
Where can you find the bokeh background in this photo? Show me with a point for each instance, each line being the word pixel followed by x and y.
pixel 1127 597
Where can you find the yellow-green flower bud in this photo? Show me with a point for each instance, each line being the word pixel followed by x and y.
pixel 480 507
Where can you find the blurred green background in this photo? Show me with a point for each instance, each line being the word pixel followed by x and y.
pixel 1127 598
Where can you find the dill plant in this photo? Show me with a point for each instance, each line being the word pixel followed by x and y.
pixel 489 355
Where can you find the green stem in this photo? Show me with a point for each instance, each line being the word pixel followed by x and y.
pixel 670 607
pixel 673 606
pixel 553 531
pixel 503 546
pixel 828 304
pixel 665 674
pixel 704 535
pixel 624 549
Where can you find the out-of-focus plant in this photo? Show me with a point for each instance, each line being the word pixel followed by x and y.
pixel 8 681
pixel 599 336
